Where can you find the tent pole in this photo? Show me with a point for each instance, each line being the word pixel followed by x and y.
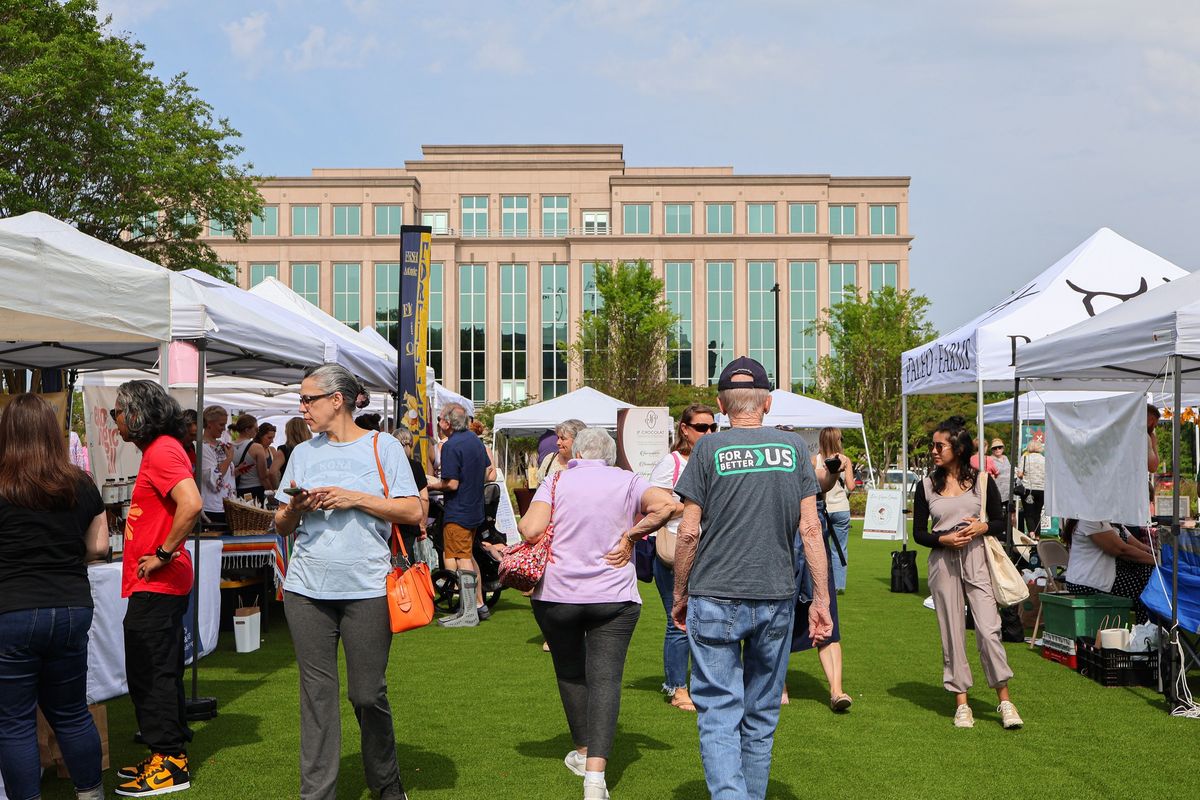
pixel 1012 455
pixel 981 451
pixel 903 468
pixel 1178 400
pixel 164 366
pixel 198 707
pixel 867 448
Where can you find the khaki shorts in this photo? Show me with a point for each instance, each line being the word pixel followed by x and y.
pixel 457 541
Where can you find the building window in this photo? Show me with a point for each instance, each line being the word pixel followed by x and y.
pixel 637 218
pixel 306 282
pixel 883 273
pixel 841 281
pixel 472 331
pixel 802 290
pixel 595 223
pixel 387 301
pixel 760 217
pixel 678 280
pixel 306 220
pixel 841 220
pixel 554 330
pixel 883 220
pixel 217 229
pixel 388 220
pixel 231 270
pixel 433 353
pixel 802 217
pixel 145 227
pixel 474 215
pixel 514 330
pixel 347 294
pixel 591 295
pixel 720 316
pixel 514 215
pixel 347 220
pixel 718 218
pixel 678 218
pixel 761 275
pixel 556 218
pixel 260 272
pixel 265 223
pixel 439 221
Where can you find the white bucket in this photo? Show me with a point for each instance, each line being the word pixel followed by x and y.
pixel 1114 638
pixel 247 632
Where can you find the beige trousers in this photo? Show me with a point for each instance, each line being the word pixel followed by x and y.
pixel 956 576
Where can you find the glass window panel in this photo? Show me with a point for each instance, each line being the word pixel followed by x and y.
pixel 883 220
pixel 883 273
pixel 439 221
pixel 216 228
pixel 260 272
pixel 306 282
pixel 637 218
pixel 514 215
pixel 555 215
pixel 802 291
pixel 841 220
pixel 802 217
pixel 720 316
pixel 347 294
pixel 761 302
pixel 472 326
pixel 436 317
pixel 475 215
pixel 513 331
pixel 554 296
pixel 679 218
pixel 306 221
pixel 678 283
pixel 388 219
pixel 595 223
pixel 347 220
pixel 265 223
pixel 760 217
pixel 719 217
pixel 387 301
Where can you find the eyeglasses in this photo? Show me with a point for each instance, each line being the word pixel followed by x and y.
pixel 115 412
pixel 703 428
pixel 938 447
pixel 309 399
pixel 994 449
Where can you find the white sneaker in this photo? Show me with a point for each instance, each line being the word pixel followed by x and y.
pixel 963 718
pixel 595 791
pixel 1008 716
pixel 575 762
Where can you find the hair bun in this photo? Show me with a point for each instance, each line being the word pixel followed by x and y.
pixel 956 421
pixel 362 400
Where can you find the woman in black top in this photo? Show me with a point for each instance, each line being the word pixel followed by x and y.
pixel 52 522
pixel 410 533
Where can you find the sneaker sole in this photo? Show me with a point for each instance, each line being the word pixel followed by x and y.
pixel 1012 726
pixel 572 767
pixel 152 792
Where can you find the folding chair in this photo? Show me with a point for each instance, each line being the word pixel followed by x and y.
pixel 1054 559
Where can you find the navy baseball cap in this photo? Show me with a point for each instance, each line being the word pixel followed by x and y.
pixel 743 365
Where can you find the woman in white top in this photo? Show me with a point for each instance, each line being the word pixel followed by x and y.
pixel 1107 558
pixel 216 465
pixel 694 422
pixel 837 499
pixel 250 459
pixel 1032 472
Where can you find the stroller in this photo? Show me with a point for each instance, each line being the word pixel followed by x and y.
pixel 445 582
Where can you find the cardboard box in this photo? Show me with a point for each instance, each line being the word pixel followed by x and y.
pixel 48 745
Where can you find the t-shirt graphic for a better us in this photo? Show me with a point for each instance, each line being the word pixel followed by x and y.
pixel 744 459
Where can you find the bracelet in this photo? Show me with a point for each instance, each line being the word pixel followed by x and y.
pixel 163 555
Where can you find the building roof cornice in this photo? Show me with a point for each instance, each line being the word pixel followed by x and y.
pixel 308 182
pixel 756 180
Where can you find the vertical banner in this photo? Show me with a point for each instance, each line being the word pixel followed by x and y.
pixel 412 408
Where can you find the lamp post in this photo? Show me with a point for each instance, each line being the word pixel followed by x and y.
pixel 775 291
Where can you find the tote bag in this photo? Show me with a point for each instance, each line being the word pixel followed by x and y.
pixel 1007 586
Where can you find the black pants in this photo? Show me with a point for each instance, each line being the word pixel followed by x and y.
pixel 154 667
pixel 1031 511
pixel 588 643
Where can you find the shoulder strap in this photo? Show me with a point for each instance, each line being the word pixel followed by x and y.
pixel 675 457
pixel 245 450
pixel 397 539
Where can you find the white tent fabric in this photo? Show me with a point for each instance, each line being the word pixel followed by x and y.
pixel 96 304
pixel 789 408
pixel 595 408
pixel 1033 405
pixel 1104 270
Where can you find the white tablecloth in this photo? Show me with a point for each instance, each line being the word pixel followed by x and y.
pixel 106 645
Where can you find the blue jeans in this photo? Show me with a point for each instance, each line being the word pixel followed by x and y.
pixel 840 520
pixel 43 661
pixel 675 642
pixel 739 662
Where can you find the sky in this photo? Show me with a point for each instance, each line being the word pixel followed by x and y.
pixel 1025 125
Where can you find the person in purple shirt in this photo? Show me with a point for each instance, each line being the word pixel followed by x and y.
pixel 587 603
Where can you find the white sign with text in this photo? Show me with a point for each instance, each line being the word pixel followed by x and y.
pixel 884 515
pixel 643 438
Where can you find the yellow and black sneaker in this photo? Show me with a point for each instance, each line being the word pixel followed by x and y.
pixel 163 775
pixel 129 773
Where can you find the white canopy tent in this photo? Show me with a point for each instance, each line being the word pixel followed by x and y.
pixel 595 408
pixel 1104 270
pixel 1033 404
pixel 798 411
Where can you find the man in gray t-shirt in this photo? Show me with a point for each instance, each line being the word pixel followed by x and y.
pixel 747 488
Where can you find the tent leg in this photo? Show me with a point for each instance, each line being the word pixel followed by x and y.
pixel 903 468
pixel 198 707
pixel 1177 409
pixel 1012 464
pixel 867 448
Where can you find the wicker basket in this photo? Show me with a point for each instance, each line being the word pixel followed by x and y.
pixel 245 519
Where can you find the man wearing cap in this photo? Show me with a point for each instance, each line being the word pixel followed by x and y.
pixel 747 488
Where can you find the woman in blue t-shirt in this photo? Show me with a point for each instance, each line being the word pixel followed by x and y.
pixel 335 585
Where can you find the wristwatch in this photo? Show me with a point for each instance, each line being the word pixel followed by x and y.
pixel 163 555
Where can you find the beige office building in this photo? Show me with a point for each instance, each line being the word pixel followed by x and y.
pixel 519 228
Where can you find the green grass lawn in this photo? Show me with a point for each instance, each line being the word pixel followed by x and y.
pixel 477 716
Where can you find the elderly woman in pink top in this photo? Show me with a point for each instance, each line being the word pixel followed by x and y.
pixel 587 604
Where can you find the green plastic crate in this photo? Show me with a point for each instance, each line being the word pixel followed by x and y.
pixel 1077 616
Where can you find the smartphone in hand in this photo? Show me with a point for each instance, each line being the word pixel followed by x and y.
pixel 292 491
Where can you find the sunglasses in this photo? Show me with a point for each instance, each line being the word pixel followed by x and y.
pixel 113 413
pixel 703 428
pixel 309 399
pixel 938 447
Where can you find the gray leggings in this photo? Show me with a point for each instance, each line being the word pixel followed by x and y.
pixel 366 635
pixel 588 643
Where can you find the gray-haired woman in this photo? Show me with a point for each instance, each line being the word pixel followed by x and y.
pixel 1032 472
pixel 557 462
pixel 587 603
pixel 336 576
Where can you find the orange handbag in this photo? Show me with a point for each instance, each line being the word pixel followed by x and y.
pixel 409 586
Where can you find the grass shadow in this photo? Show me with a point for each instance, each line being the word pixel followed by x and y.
pixel 647 683
pixel 924 695
pixel 627 748
pixel 804 685
pixel 698 790
pixel 420 770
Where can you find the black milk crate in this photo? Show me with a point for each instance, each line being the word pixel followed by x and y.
pixel 1109 667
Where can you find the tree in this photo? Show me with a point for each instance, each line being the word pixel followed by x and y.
pixel 621 347
pixel 862 372
pixel 90 136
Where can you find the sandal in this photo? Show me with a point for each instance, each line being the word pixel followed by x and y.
pixel 841 704
pixel 682 700
pixel 785 700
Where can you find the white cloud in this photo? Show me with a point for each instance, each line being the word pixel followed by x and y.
pixel 246 35
pixel 319 50
pixel 499 54
pixel 126 12
pixel 725 68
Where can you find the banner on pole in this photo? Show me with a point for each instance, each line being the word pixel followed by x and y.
pixel 412 409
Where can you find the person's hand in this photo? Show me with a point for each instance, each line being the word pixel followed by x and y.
pixel 619 556
pixel 227 448
pixel 242 469
pixel 304 502
pixel 147 564
pixel 975 527
pixel 679 613
pixel 335 498
pixel 955 539
pixel 820 622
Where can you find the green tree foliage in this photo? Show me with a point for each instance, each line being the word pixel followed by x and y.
pixel 622 346
pixel 89 135
pixel 867 338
